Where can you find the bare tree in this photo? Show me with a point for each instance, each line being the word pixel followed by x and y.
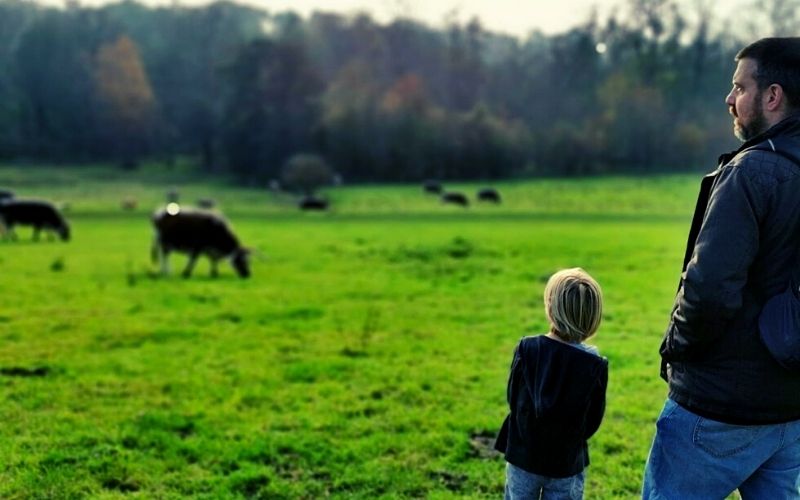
pixel 775 18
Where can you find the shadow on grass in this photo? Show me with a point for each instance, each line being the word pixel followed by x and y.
pixel 21 371
pixel 148 275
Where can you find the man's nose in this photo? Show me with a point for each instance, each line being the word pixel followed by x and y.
pixel 729 99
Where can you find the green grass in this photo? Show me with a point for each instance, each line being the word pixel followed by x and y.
pixel 367 356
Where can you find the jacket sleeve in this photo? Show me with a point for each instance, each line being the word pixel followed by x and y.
pixel 597 403
pixel 715 276
pixel 501 442
pixel 511 390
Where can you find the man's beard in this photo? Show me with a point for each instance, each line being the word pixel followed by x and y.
pixel 757 125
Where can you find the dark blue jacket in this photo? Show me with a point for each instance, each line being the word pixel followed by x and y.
pixel 557 397
pixel 743 245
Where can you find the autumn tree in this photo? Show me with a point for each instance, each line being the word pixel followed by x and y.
pixel 53 70
pixel 242 89
pixel 411 126
pixel 350 126
pixel 127 106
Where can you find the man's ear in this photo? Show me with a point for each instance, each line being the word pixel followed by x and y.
pixel 774 97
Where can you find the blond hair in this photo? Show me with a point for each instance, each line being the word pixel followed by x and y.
pixel 573 303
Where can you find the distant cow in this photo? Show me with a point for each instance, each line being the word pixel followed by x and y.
pixel 313 203
pixel 197 232
pixel 489 194
pixel 206 203
pixel 129 204
pixel 37 213
pixel 6 194
pixel 431 186
pixel 173 196
pixel 455 198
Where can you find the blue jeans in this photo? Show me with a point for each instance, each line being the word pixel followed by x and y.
pixel 696 458
pixel 524 485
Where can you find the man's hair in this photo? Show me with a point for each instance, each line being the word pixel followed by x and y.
pixel 573 303
pixel 778 61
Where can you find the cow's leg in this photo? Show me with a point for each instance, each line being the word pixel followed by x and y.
pixel 214 269
pixel 163 258
pixel 190 265
pixel 155 250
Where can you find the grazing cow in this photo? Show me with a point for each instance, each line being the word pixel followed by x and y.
pixel 129 204
pixel 431 186
pixel 455 198
pixel 489 194
pixel 206 203
pixel 6 194
pixel 197 232
pixel 313 203
pixel 37 213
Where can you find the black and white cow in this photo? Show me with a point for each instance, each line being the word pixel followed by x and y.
pixel 37 213
pixel 197 232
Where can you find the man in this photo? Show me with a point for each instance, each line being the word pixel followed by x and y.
pixel 732 419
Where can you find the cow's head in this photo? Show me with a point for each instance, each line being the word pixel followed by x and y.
pixel 63 231
pixel 241 262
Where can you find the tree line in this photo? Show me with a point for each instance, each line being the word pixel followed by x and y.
pixel 243 91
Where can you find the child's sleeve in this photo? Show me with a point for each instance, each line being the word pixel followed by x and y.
pixel 597 403
pixel 510 389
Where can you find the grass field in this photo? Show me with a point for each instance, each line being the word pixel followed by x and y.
pixel 367 356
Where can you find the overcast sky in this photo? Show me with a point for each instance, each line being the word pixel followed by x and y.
pixel 516 17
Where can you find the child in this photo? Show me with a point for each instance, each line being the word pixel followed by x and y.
pixel 556 393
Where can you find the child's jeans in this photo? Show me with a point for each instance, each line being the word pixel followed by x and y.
pixel 524 485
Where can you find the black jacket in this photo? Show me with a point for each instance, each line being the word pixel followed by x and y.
pixel 557 397
pixel 743 244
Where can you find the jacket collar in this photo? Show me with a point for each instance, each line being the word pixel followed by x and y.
pixel 788 126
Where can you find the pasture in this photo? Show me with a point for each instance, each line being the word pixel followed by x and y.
pixel 367 356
